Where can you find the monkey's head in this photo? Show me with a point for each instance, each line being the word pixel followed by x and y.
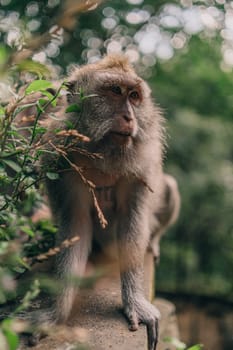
pixel 117 112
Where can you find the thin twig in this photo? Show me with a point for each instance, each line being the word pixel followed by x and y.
pixel 67 243
pixel 101 217
pixel 89 183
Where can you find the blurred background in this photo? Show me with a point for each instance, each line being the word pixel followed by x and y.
pixel 185 51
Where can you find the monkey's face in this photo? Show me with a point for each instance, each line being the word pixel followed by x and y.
pixel 121 99
pixel 113 113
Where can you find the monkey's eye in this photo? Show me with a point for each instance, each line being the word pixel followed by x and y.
pixel 116 89
pixel 134 95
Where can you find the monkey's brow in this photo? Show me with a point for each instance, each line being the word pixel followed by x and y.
pixel 106 80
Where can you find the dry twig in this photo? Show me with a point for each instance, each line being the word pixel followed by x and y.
pixel 89 183
pixel 67 243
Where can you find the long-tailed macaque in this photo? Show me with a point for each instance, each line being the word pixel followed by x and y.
pixel 125 129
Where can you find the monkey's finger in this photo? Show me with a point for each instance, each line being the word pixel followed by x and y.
pixel 152 334
pixel 133 322
pixel 133 327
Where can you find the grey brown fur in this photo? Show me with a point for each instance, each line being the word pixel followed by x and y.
pixel 126 128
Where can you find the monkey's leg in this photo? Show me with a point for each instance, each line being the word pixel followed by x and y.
pixel 131 254
pixel 70 263
pixel 71 205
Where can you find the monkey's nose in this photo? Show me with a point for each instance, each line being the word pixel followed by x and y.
pixel 127 118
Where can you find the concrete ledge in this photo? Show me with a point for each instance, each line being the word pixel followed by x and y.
pixel 97 315
pixel 99 312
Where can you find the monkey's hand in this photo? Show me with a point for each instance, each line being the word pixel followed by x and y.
pixel 142 311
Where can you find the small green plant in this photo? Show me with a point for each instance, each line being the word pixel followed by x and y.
pixel 23 241
pixel 180 345
pixel 11 327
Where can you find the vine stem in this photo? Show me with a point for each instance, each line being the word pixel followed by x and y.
pixel 19 180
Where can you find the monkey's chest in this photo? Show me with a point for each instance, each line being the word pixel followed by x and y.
pixel 104 239
pixel 106 198
pixel 105 186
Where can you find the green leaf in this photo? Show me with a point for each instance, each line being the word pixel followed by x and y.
pixel 38 85
pixel 56 130
pixel 47 225
pixel 52 176
pixel 19 269
pixel 12 339
pixel 196 347
pixel 69 124
pixel 3 54
pixel 176 342
pixel 50 97
pixel 40 130
pixel 24 264
pixel 16 167
pixel 40 104
pixel 73 108
pixel 81 93
pixel 2 111
pixel 11 336
pixel 27 230
pixel 34 67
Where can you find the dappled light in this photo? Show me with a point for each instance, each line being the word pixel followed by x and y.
pixel 156 35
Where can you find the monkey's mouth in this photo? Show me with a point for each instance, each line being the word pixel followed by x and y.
pixel 121 137
pixel 121 133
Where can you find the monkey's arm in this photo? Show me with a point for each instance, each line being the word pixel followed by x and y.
pixel 133 234
pixel 71 203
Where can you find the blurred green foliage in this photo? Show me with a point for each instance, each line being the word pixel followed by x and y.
pixel 199 248
pixel 194 79
pixel 180 345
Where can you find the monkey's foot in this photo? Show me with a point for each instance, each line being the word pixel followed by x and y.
pixel 141 311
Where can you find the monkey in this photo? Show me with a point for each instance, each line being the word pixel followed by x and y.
pixel 125 130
